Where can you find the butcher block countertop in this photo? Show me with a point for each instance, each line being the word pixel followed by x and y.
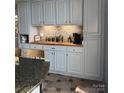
pixel 56 43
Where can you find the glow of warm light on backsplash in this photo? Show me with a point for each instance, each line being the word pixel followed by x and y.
pixel 65 31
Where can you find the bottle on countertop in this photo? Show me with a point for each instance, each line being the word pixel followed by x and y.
pixel 69 39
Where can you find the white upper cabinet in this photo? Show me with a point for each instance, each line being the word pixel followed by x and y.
pixel 23 17
pixel 62 11
pixel 37 12
pixel 93 17
pixel 57 12
pixel 76 10
pixel 49 12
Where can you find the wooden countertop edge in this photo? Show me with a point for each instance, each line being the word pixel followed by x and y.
pixel 76 45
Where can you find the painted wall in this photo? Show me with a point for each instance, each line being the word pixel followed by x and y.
pixel 52 31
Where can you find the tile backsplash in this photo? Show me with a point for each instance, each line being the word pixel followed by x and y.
pixel 52 31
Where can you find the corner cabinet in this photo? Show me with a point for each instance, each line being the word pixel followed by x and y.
pixel 23 17
pixel 93 68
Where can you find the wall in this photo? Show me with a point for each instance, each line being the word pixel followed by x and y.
pixel 52 31
pixel 106 46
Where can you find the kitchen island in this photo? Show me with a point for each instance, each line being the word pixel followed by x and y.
pixel 29 74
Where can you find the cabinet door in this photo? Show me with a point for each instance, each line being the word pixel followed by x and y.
pixel 37 12
pixel 36 90
pixel 23 52
pixel 60 61
pixel 50 55
pixel 76 16
pixel 62 11
pixel 23 17
pixel 49 11
pixel 92 57
pixel 92 16
pixel 75 63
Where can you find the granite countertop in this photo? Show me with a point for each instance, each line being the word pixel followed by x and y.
pixel 29 74
pixel 56 43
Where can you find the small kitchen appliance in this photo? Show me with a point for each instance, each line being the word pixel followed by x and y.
pixel 77 38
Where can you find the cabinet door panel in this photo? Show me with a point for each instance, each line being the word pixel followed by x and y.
pixel 60 61
pixel 75 63
pixel 23 22
pixel 49 55
pixel 92 16
pixel 76 12
pixel 36 90
pixel 62 11
pixel 36 9
pixel 92 57
pixel 49 11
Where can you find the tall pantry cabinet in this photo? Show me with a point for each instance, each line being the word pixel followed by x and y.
pixel 93 38
pixel 23 16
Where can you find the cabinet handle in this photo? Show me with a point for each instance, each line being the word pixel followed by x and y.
pixel 69 21
pixel 53 48
pixel 66 54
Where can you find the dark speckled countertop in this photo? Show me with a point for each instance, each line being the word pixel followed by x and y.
pixel 29 74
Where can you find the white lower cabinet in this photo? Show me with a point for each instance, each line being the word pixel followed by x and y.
pixel 60 61
pixel 50 55
pixel 57 57
pixel 24 48
pixel 83 62
pixel 74 61
pixel 93 58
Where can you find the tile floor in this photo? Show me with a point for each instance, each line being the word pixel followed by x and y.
pixel 56 83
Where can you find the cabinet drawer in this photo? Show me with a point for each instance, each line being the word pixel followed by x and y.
pixel 33 46
pixel 24 45
pixel 75 49
pixel 60 48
